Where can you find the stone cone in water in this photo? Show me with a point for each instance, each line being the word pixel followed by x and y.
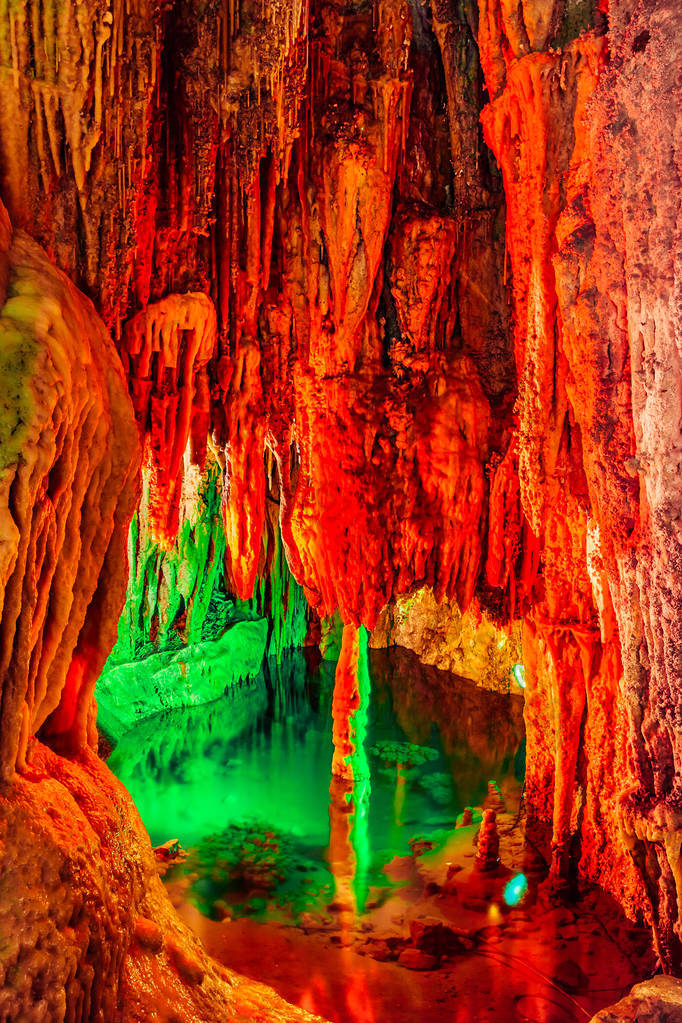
pixel 488 854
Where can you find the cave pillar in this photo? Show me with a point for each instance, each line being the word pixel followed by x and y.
pixel 593 236
pixel 636 138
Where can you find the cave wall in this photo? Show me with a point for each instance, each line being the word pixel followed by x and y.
pixel 69 482
pixel 407 279
pixel 469 645
pixel 592 214
pixel 304 226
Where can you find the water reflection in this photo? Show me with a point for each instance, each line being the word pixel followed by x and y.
pixel 350 788
pixel 303 796
pixel 294 791
pixel 480 732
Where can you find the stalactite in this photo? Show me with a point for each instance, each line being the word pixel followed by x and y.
pixel 244 487
pixel 422 248
pixel 582 452
pixel 513 550
pixel 168 346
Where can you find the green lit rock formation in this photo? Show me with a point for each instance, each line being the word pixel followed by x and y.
pixel 184 639
pixel 197 673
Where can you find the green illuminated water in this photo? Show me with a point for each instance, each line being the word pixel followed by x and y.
pixel 244 782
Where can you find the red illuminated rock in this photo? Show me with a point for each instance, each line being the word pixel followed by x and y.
pixel 571 654
pixel 296 257
pixel 585 177
pixel 68 486
pixel 167 348
pixel 288 219
pixel 361 535
pixel 415 959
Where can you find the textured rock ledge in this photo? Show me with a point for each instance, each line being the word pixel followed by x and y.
pixel 88 929
pixel 466 644
pixel 658 1000
pixel 195 674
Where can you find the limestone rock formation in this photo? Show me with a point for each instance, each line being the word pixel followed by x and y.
pixel 90 930
pixel 466 644
pixel 411 275
pixel 68 487
pixel 587 182
pixel 167 347
pixel 657 1000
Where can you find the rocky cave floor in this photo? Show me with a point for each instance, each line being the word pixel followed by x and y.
pixel 440 943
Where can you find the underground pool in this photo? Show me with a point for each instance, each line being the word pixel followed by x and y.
pixel 344 853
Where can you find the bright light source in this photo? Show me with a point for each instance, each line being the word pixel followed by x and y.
pixel 494 914
pixel 515 890
pixel 520 675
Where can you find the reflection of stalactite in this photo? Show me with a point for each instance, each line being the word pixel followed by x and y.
pixel 349 848
pixel 345 704
pixel 361 777
pixel 341 854
pixel 159 747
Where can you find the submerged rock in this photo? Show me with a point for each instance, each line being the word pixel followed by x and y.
pixel 439 938
pixel 413 959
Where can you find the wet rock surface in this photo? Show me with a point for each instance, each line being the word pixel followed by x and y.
pixel 84 908
pixel 557 958
pixel 658 1000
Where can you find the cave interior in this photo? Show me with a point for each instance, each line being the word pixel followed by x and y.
pixel 340 537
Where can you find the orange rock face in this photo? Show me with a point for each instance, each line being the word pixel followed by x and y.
pixel 68 486
pixel 635 210
pixel 167 348
pixel 91 931
pixel 585 182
